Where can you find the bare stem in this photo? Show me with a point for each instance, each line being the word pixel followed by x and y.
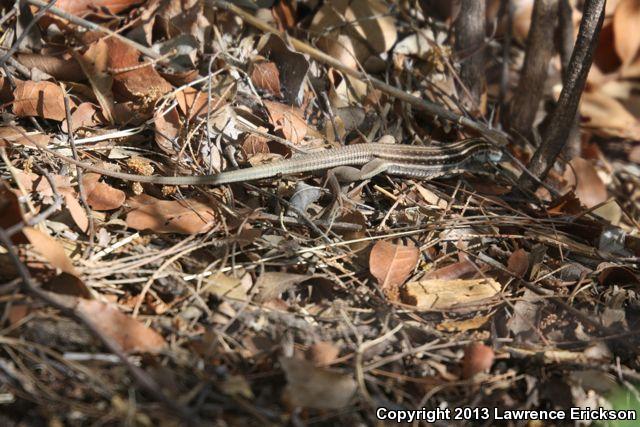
pixel 557 133
pixel 470 33
pixel 540 49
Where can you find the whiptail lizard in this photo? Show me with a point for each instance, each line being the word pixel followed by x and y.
pixel 393 159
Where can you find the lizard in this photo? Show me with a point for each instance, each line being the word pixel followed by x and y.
pixel 423 162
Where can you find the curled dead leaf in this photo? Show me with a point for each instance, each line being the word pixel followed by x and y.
pixel 94 64
pixel 292 66
pixel 60 68
pixel 85 115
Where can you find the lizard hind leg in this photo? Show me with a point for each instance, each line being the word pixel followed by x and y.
pixel 349 174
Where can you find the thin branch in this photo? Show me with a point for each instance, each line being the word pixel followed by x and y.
pixel 557 133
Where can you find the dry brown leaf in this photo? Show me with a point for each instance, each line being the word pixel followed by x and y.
pixel 101 196
pixel 38 99
pixel 64 69
pixel 167 128
pixel 568 203
pixel 78 213
pixel 608 117
pixel 518 263
pixel 625 30
pixel 17 312
pixel 67 284
pixel 170 216
pixel 254 145
pixel 452 271
pixel 10 135
pixel 292 67
pixel 589 188
pixel 63 187
pixel 193 102
pixel 319 388
pixel 288 120
pixel 431 198
pixel 81 7
pixel 94 64
pixel 284 14
pixel 132 80
pixel 11 213
pixel 265 76
pixel 391 265
pixel 50 249
pixel 443 294
pixel 130 334
pixel 477 358
pixel 85 115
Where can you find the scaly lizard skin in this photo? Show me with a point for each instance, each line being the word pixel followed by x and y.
pixel 375 158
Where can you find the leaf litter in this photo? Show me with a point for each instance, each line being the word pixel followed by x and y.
pixel 219 305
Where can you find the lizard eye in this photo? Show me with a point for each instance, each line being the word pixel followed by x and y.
pixel 495 156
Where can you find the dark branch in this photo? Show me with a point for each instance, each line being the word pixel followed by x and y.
pixel 470 33
pixel 540 49
pixel 557 133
